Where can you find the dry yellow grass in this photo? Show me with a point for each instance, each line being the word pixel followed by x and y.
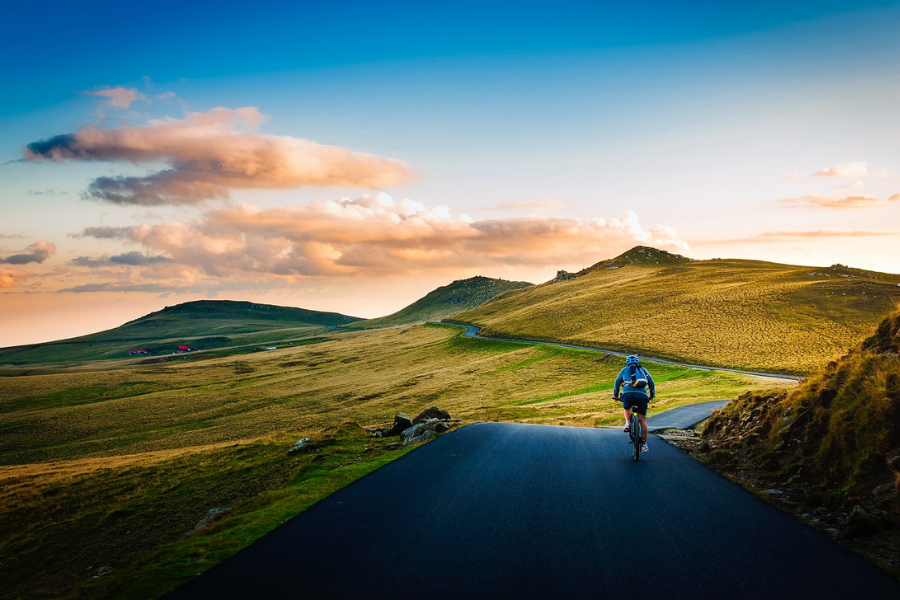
pixel 735 313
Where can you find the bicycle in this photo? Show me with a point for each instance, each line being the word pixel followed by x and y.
pixel 634 435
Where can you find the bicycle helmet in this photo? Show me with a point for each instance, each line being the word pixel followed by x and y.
pixel 632 360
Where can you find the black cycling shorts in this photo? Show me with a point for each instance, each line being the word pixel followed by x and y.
pixel 637 400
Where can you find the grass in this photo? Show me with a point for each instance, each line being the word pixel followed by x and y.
pixel 88 455
pixel 840 427
pixel 445 301
pixel 742 314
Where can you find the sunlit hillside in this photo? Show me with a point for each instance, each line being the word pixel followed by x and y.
pixel 726 312
pixel 445 301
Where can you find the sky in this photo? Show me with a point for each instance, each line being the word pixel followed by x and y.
pixel 353 156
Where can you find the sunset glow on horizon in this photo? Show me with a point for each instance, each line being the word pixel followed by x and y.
pixel 352 160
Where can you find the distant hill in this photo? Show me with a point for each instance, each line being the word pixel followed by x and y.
pixel 201 325
pixel 728 312
pixel 446 301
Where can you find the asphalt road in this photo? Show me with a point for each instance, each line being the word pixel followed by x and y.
pixel 503 510
pixel 472 331
pixel 683 417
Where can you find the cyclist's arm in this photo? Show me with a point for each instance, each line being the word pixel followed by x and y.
pixel 651 385
pixel 619 381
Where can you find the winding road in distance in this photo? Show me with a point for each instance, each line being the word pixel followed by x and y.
pixel 472 332
pixel 507 510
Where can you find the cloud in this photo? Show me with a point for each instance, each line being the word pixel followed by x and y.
pixel 539 206
pixel 104 232
pixel 10 236
pixel 792 236
pixel 10 278
pixel 118 97
pixel 853 186
pixel 881 174
pixel 791 177
pixel 848 170
pixel 37 252
pixel 46 193
pixel 210 154
pixel 376 236
pixel 134 258
pixel 860 201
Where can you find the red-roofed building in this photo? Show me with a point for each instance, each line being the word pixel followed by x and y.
pixel 133 352
pixel 183 349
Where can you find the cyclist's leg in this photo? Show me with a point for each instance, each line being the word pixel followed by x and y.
pixel 643 420
pixel 640 406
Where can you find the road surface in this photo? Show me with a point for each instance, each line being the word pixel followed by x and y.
pixel 472 331
pixel 505 510
pixel 683 417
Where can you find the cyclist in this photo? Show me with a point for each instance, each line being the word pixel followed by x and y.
pixel 637 391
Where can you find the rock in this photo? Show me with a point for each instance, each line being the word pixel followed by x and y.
pixel 299 446
pixel 884 490
pixel 431 413
pixel 442 426
pixel 102 571
pixel 778 446
pixel 864 522
pixel 402 422
pixel 412 432
pixel 563 276
pixel 423 437
pixel 212 515
pixel 392 445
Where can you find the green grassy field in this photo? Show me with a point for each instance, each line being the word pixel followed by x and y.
pixel 221 326
pixel 110 466
pixel 445 301
pixel 735 313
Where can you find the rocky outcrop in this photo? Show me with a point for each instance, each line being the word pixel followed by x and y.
pixel 401 423
pixel 563 276
pixel 412 431
pixel 299 446
pixel 431 413
pixel 212 515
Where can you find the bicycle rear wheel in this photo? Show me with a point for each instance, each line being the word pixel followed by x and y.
pixel 636 436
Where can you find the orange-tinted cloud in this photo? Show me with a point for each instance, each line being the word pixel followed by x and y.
pixel 858 201
pixel 210 154
pixel 856 185
pixel 793 236
pixel 119 96
pixel 537 206
pixel 376 236
pixel 37 252
pixel 11 278
pixel 848 170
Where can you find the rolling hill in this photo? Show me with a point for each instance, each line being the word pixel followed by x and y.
pixel 201 325
pixel 746 314
pixel 446 301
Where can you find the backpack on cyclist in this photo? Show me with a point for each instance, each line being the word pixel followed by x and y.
pixel 638 383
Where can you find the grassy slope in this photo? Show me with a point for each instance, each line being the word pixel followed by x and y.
pixel 87 457
pixel 445 301
pixel 736 313
pixel 840 427
pixel 202 324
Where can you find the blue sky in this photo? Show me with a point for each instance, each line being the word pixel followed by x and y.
pixel 725 129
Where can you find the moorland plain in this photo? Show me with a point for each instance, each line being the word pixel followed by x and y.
pixel 109 467
pixel 744 314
